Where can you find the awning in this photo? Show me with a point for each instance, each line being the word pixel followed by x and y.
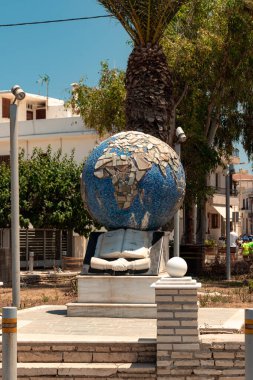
pixel 222 211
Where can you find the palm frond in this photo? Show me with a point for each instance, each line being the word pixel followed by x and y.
pixel 144 20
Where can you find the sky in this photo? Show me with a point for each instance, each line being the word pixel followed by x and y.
pixel 66 52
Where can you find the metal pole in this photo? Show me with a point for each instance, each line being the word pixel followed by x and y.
pixel 176 249
pixel 248 343
pixel 31 261
pixel 228 258
pixel 15 249
pixel 9 343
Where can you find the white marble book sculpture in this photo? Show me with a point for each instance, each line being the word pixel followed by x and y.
pixel 126 251
pixel 122 250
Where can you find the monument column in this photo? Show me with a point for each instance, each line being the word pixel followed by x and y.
pixel 177 322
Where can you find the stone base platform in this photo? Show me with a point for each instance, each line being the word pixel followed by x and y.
pixel 111 310
pixel 88 371
pixel 51 346
pixel 95 360
pixel 114 296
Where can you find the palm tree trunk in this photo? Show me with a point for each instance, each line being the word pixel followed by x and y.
pixel 149 91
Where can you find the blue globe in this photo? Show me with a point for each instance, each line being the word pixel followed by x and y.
pixel 133 180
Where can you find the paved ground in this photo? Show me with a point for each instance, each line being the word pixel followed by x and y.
pixel 50 324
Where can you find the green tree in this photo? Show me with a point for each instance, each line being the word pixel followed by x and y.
pixel 5 195
pixel 208 46
pixel 49 192
pixel 209 52
pixel 148 81
pixel 103 107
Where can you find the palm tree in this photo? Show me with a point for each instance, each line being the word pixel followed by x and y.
pixel 148 81
pixel 44 79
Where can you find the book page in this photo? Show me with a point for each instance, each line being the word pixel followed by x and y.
pixel 136 244
pixel 110 244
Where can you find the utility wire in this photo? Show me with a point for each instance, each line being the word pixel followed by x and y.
pixel 53 21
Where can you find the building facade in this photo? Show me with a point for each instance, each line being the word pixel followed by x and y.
pixel 244 185
pixel 44 121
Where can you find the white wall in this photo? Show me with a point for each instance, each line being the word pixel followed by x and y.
pixel 66 133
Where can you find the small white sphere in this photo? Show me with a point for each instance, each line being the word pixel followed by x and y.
pixel 176 267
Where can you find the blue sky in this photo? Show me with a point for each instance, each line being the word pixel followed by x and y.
pixel 64 51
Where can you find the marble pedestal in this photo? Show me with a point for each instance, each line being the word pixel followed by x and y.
pixel 126 295
pixel 114 296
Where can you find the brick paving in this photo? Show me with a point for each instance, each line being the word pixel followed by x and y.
pixel 50 323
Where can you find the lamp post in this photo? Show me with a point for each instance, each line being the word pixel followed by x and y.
pixel 15 244
pixel 228 255
pixel 228 258
pixel 181 138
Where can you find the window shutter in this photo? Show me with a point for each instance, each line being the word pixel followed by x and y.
pixel 6 107
pixel 41 113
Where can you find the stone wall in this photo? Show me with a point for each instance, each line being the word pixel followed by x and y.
pixel 86 352
pixel 90 361
pixel 223 359
pixel 220 357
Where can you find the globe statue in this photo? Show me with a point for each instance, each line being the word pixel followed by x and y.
pixel 133 180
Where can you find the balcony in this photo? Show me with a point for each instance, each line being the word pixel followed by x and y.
pixel 46 127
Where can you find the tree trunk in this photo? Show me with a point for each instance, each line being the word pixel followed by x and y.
pixel 189 236
pixel 201 222
pixel 148 85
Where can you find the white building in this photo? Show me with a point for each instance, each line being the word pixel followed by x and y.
pixel 244 182
pixel 216 206
pixel 43 121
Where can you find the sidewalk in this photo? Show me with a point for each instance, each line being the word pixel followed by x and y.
pixel 51 324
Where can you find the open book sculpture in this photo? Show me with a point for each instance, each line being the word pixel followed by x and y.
pixel 126 251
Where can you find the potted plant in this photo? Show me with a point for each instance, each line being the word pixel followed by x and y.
pixel 210 246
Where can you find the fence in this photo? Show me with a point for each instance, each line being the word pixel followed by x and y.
pixel 48 246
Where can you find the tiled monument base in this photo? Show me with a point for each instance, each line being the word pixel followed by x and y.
pixel 114 296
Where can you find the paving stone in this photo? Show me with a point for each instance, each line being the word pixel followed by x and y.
pixel 130 357
pixel 44 357
pixel 77 357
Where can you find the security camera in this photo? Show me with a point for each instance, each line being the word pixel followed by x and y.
pixel 181 137
pixel 18 92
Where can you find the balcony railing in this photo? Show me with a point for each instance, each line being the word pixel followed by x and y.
pixel 222 191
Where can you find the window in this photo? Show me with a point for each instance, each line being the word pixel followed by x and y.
pixel 5 159
pixel 35 111
pixel 235 216
pixel 29 115
pixel 214 221
pixel 6 107
pixel 41 113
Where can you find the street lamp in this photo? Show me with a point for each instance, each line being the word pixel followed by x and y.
pixel 228 258
pixel 181 138
pixel 15 244
pixel 228 254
